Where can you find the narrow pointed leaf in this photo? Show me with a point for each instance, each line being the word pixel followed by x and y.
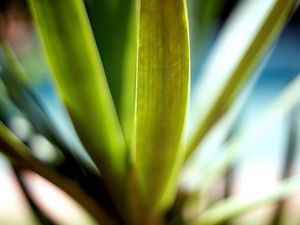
pixel 162 93
pixel 128 87
pixel 76 66
pixel 114 25
pixel 233 207
pixel 249 33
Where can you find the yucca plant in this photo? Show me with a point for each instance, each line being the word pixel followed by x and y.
pixel 122 70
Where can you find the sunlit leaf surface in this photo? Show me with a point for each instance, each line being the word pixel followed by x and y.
pixel 80 79
pixel 162 94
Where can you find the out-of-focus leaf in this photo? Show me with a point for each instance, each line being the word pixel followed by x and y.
pixel 216 137
pixel 203 17
pixel 27 101
pixel 21 92
pixel 76 66
pixel 280 108
pixel 39 214
pixel 234 206
pixel 24 97
pixel 162 93
pixel 114 25
pixel 19 154
pixel 288 162
pixel 5 107
pixel 246 37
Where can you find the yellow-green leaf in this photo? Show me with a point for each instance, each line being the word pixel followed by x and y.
pixel 162 94
pixel 79 76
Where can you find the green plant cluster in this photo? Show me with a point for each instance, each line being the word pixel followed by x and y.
pixel 122 71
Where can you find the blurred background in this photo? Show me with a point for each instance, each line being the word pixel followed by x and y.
pixel 258 170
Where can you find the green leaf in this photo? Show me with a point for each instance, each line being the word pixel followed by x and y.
pixel 234 206
pixel 128 88
pixel 162 93
pixel 249 33
pixel 28 102
pixel 114 25
pixel 76 66
pixel 20 155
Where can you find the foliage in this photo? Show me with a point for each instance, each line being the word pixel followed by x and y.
pixel 132 107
